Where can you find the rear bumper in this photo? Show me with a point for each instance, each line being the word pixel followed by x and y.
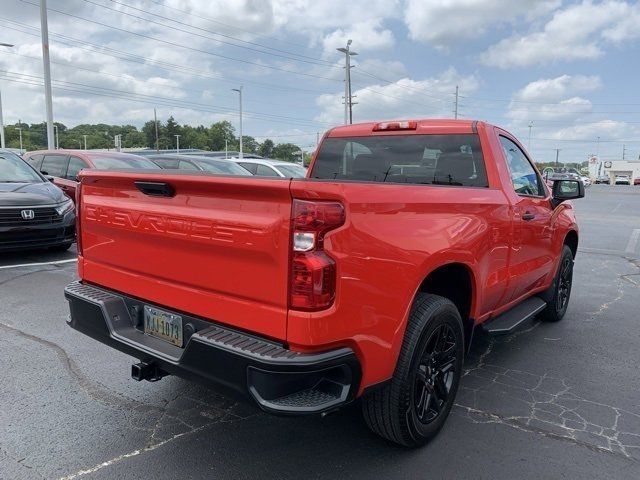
pixel 277 379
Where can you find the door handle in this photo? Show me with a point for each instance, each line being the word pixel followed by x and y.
pixel 155 189
pixel 526 216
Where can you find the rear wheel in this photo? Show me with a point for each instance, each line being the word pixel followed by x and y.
pixel 412 408
pixel 560 291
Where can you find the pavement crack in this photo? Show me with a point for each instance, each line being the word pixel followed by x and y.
pixel 546 405
pixel 135 453
pixel 21 275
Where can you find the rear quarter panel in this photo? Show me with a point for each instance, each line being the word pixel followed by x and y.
pixel 394 236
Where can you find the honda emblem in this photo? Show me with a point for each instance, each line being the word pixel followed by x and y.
pixel 28 214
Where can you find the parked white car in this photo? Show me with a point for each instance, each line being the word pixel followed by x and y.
pixel 271 168
pixel 586 180
pixel 622 180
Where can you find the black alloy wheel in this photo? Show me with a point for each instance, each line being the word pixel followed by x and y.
pixel 435 374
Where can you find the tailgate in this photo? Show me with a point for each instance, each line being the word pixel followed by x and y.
pixel 218 248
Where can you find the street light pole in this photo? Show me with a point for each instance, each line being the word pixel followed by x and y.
pixel 44 31
pixel 2 145
pixel 239 90
pixel 348 111
pixel 55 128
pixel 557 155
pixel 177 144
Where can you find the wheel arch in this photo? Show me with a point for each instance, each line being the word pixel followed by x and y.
pixel 456 282
pixel 571 240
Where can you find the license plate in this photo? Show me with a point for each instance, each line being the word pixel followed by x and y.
pixel 163 325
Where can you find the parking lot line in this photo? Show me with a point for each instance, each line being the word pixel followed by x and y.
pixel 633 241
pixel 37 264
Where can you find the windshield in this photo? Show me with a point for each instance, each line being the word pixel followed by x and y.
pixel 222 166
pixel 15 170
pixel 133 161
pixel 292 171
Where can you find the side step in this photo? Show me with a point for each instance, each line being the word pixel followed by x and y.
pixel 509 320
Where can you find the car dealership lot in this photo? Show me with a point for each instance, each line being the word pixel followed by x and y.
pixel 553 400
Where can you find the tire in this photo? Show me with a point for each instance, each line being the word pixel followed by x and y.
pixel 559 293
pixel 426 377
pixel 61 248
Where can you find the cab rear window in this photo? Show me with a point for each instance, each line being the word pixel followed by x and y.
pixel 413 159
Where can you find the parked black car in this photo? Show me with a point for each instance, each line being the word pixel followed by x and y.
pixel 34 213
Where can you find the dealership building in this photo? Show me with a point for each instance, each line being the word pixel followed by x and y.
pixel 611 168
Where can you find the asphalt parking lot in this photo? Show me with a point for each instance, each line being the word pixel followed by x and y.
pixel 550 401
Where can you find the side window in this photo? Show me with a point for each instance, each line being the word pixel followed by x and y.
pixel 264 171
pixel 166 162
pixel 252 167
pixel 75 165
pixel 523 175
pixel 186 165
pixel 35 161
pixel 55 165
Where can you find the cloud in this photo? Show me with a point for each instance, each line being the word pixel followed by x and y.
pixel 443 23
pixel 578 32
pixel 553 99
pixel 404 98
pixel 370 36
pixel 609 129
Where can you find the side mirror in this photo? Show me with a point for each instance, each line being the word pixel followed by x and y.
pixel 566 190
pixel 49 177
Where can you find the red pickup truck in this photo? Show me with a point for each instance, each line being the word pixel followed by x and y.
pixel 365 280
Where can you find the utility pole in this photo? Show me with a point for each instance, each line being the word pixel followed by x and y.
pixel 177 144
pixel 20 132
pixel 226 148
pixel 2 145
pixel 239 90
pixel 85 141
pixel 455 111
pixel 624 151
pixel 530 127
pixel 557 155
pixel 155 121
pixel 55 127
pixel 348 103
pixel 44 31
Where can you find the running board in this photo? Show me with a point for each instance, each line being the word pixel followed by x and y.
pixel 509 320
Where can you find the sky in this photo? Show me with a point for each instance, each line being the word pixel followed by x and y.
pixel 557 74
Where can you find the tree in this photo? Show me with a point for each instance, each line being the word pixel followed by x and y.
pixel 149 131
pixel 266 148
pixel 249 144
pixel 286 151
pixel 171 130
pixel 219 132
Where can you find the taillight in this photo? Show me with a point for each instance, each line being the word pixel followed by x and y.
pixel 313 271
pixel 78 213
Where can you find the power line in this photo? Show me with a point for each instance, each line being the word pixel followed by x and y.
pixel 201 16
pixel 102 91
pixel 129 57
pixel 132 78
pixel 276 52
pixel 186 47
